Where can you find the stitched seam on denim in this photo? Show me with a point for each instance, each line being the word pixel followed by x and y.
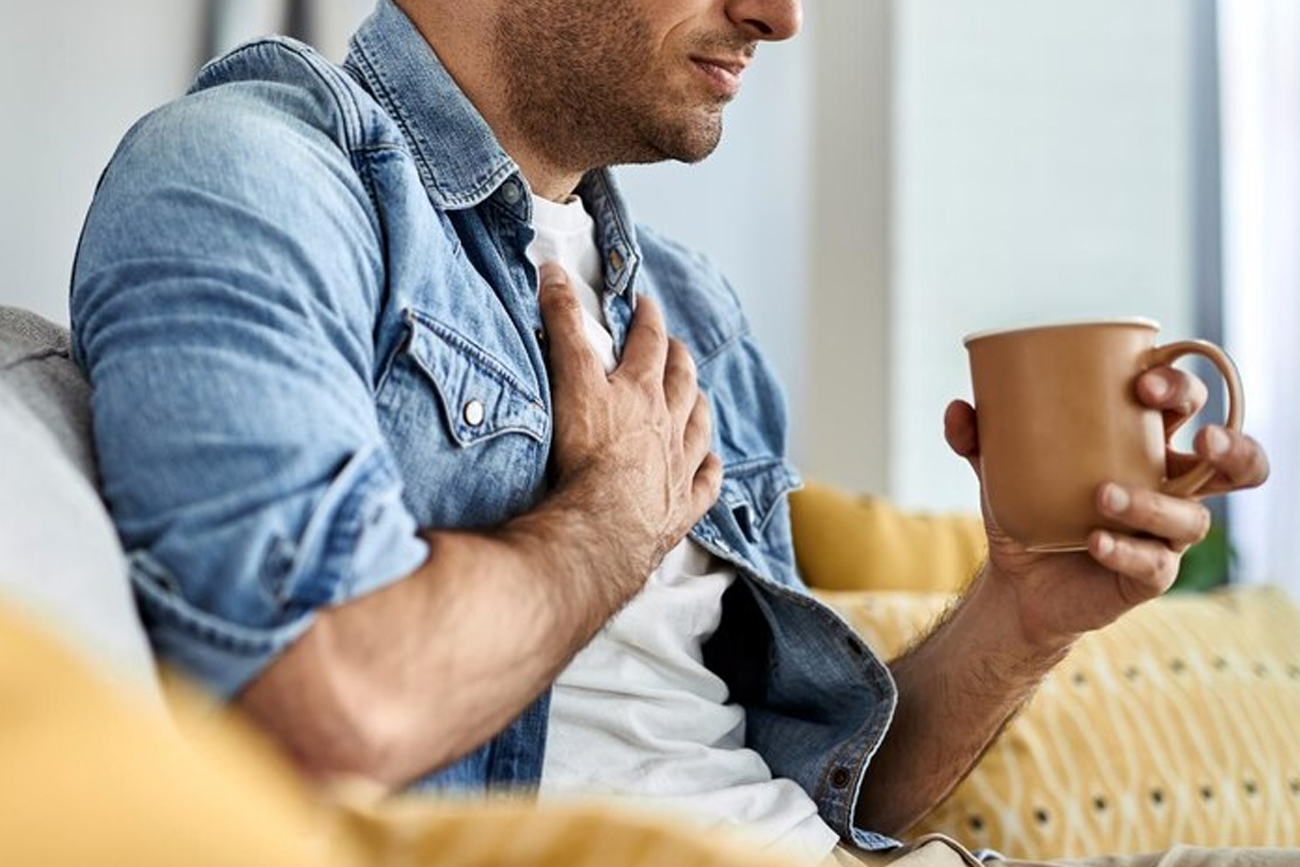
pixel 625 233
pixel 324 577
pixel 480 358
pixel 871 737
pixel 351 120
pixel 764 471
pixel 174 609
pixel 449 412
pixel 722 347
pixel 362 164
pixel 878 680
pixel 480 188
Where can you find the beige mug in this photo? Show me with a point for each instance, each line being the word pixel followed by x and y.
pixel 1058 415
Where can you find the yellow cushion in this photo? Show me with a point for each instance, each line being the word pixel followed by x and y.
pixel 448 833
pixel 847 542
pixel 1179 724
pixel 89 777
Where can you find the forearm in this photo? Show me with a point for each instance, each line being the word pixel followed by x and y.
pixel 411 678
pixel 957 689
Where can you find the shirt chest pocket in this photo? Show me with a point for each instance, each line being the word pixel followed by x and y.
pixel 469 433
pixel 753 491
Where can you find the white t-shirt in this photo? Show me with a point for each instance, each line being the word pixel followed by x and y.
pixel 637 714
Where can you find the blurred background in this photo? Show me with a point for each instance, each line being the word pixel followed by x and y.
pixel 901 175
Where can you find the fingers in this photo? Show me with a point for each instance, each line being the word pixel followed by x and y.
pixel 1148 567
pixel 1240 460
pixel 1180 522
pixel 697 438
pixel 1243 465
pixel 646 351
pixel 1177 395
pixel 681 388
pixel 960 430
pixel 707 485
pixel 570 357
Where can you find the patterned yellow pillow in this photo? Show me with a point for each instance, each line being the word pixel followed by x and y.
pixel 1179 724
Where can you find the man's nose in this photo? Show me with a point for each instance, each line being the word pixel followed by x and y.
pixel 767 20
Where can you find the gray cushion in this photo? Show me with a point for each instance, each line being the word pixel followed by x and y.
pixel 60 558
pixel 36 364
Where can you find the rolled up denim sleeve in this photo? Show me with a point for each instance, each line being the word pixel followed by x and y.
pixel 224 306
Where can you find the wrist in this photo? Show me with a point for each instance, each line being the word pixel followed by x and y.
pixel 999 599
pixel 572 542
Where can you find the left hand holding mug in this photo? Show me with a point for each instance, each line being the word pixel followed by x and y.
pixel 1061 596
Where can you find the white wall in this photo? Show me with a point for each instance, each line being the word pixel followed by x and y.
pixel 73 77
pixel 1043 170
pixel 849 295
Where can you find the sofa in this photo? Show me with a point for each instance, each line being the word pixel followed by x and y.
pixel 1179 724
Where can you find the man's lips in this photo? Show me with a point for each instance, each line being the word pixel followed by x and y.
pixel 723 73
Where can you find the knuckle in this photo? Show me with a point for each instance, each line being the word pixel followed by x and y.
pixel 560 305
pixel 1144 561
pixel 1242 459
pixel 1154 561
pixel 647 310
pixel 681 355
pixel 1148 508
pixel 1204 521
pixel 703 407
pixel 713 470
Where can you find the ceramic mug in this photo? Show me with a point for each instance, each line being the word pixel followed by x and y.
pixel 1058 415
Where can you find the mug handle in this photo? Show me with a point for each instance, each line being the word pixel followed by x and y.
pixel 1199 476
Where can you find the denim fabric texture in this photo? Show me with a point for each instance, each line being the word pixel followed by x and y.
pixel 292 284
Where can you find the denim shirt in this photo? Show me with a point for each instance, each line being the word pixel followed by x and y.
pixel 303 302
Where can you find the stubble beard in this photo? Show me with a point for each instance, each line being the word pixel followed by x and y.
pixel 583 88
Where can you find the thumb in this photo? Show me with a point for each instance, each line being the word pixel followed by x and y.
pixel 962 433
pixel 569 355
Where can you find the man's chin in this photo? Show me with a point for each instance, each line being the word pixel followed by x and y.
pixel 689 144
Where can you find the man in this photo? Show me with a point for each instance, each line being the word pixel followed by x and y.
pixel 440 517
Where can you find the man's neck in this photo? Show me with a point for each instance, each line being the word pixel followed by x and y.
pixel 454 31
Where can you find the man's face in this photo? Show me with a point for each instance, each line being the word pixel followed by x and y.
pixel 602 82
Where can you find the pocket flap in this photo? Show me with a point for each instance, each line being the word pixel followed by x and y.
pixel 752 490
pixel 480 397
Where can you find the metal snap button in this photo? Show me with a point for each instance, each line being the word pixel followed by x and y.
pixel 474 413
pixel 511 193
pixel 616 260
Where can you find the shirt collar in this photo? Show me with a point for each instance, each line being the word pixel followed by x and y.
pixel 460 161
pixel 458 156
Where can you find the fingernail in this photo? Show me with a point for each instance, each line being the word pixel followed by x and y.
pixel 1158 386
pixel 1216 442
pixel 552 276
pixel 1105 544
pixel 1116 498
